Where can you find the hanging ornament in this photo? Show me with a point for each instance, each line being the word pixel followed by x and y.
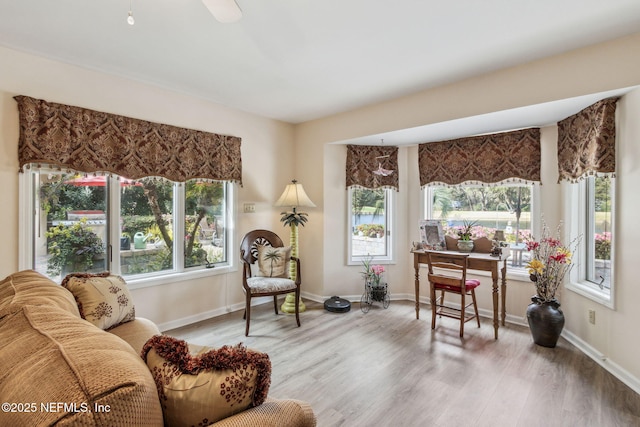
pixel 382 171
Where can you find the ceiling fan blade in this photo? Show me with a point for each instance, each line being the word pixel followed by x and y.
pixel 225 11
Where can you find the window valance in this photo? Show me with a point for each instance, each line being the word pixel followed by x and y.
pixel 372 166
pixel 488 159
pixel 587 142
pixel 91 141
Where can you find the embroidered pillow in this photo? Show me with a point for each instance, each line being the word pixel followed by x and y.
pixel 103 299
pixel 274 262
pixel 199 385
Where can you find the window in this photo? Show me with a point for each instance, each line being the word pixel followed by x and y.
pixel 370 221
pixel 134 228
pixel 504 207
pixel 593 214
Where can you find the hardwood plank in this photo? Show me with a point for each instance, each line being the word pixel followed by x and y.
pixel 387 368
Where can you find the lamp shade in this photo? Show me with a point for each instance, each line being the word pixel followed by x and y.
pixel 294 196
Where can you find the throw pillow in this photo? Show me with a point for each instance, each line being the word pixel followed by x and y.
pixel 274 262
pixel 103 299
pixel 199 385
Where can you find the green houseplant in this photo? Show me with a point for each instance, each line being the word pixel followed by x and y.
pixel 72 248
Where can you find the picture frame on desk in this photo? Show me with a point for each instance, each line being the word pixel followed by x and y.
pixel 432 235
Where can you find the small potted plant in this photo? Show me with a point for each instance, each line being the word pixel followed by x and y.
pixel 465 243
pixel 372 275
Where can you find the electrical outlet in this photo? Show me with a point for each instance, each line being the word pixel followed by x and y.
pixel 249 207
pixel 592 317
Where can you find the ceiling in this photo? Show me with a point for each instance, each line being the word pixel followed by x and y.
pixel 298 60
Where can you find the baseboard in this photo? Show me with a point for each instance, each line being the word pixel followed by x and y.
pixel 178 323
pixel 602 360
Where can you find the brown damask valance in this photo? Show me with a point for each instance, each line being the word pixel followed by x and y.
pixel 372 166
pixel 91 141
pixel 587 142
pixel 488 159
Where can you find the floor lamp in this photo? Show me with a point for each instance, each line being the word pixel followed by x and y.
pixel 295 197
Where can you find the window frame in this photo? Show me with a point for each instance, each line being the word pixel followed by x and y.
pixel 27 212
pixel 513 273
pixel 390 201
pixel 581 211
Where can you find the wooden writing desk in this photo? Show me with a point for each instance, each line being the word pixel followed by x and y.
pixel 475 261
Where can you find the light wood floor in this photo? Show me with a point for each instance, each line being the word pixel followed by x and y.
pixel 385 368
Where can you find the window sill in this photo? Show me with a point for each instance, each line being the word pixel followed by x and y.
pixel 592 292
pixel 173 277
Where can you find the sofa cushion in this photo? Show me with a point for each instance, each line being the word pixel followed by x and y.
pixel 274 262
pixel 103 299
pixel 28 287
pixel 199 385
pixel 91 377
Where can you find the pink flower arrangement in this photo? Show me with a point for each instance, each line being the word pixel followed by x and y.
pixel 377 271
pixel 372 273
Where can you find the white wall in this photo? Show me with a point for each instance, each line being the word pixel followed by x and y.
pixel 267 156
pixel 602 67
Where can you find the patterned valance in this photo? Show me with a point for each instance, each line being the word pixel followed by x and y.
pixel 488 159
pixel 372 166
pixel 91 141
pixel 587 142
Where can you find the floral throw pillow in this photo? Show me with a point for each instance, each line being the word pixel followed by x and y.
pixel 274 262
pixel 199 385
pixel 103 299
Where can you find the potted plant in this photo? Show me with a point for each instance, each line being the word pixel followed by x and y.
pixel 372 275
pixel 72 248
pixel 465 244
pixel 550 262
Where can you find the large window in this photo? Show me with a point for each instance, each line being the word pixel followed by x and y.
pixel 134 228
pixel 504 207
pixel 370 221
pixel 592 210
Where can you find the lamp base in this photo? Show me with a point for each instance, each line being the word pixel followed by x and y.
pixel 289 304
pixel 337 305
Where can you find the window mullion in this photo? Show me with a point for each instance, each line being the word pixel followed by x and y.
pixel 178 225
pixel 113 225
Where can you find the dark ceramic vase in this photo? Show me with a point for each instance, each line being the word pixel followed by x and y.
pixel 546 321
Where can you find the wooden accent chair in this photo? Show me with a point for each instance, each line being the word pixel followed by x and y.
pixel 256 285
pixel 451 276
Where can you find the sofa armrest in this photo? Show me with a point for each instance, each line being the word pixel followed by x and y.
pixel 273 413
pixel 136 332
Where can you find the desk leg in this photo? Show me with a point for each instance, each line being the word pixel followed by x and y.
pixel 494 276
pixel 503 292
pixel 417 284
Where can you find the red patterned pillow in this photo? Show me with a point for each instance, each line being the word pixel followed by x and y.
pixel 199 385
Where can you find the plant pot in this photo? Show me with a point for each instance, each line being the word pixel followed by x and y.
pixel 546 321
pixel 465 245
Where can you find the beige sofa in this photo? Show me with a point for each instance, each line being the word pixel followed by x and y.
pixel 59 369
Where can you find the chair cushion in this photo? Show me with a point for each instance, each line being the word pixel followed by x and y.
pixel 274 262
pixel 199 385
pixel 470 284
pixel 270 284
pixel 103 299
